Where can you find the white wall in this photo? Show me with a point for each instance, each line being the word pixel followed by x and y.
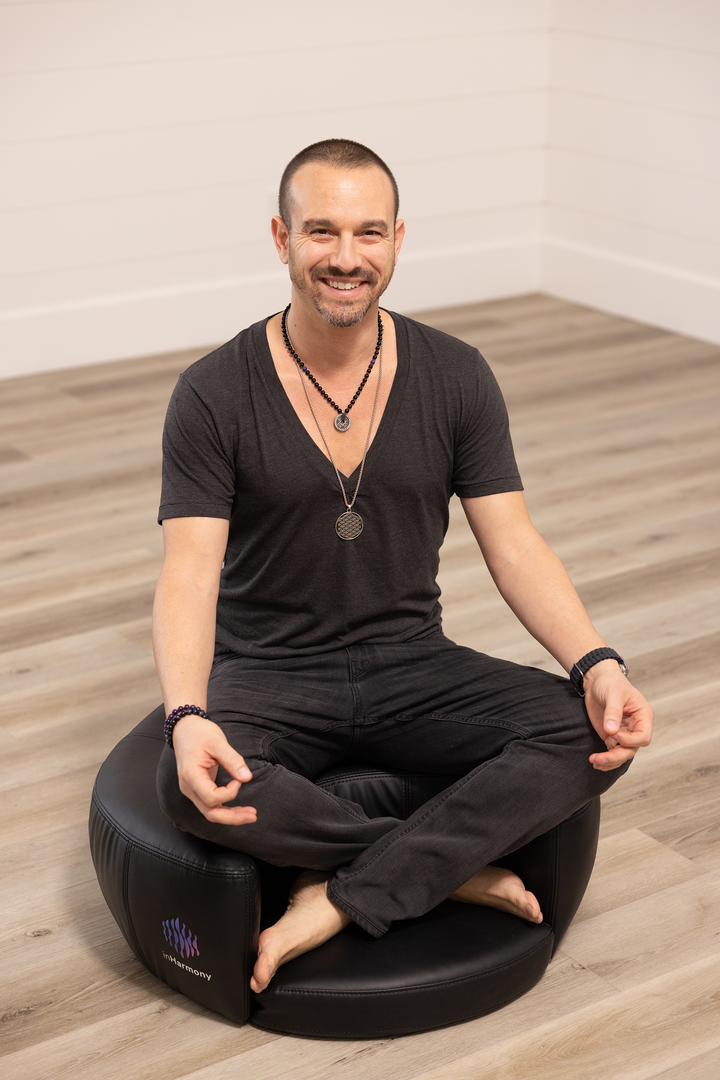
pixel 633 181
pixel 144 140
pixel 569 145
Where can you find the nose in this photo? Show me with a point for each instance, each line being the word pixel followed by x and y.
pixel 347 256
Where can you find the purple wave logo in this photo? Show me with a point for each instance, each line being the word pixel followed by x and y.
pixel 182 941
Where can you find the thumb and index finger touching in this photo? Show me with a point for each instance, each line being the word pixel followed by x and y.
pixel 628 719
pixel 201 757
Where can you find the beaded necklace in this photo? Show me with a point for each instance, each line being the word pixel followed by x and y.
pixel 349 525
pixel 342 420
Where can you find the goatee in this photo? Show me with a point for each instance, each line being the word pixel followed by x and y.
pixel 342 313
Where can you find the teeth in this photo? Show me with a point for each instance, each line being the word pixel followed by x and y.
pixel 344 284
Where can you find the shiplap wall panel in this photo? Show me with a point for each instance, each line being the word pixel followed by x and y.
pixel 116 230
pixel 656 75
pixel 656 138
pixel 569 145
pixel 692 24
pixel 78 33
pixel 274 85
pixel 144 142
pixel 657 200
pixel 633 169
pixel 117 163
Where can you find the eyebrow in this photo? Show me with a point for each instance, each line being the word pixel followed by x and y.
pixel 325 223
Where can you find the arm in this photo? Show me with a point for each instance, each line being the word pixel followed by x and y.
pixel 536 586
pixel 184 643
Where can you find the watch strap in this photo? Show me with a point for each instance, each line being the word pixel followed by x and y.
pixel 577 671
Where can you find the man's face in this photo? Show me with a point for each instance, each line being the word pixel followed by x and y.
pixel 343 241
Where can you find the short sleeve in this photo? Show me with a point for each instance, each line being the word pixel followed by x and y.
pixel 198 476
pixel 484 459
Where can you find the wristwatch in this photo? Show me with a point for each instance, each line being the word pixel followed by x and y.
pixel 577 671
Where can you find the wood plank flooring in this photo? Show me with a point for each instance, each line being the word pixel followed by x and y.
pixel 615 427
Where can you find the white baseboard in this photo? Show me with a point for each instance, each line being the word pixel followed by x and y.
pixel 134 324
pixel 663 296
pixel 204 314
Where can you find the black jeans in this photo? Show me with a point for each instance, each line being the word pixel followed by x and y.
pixel 519 737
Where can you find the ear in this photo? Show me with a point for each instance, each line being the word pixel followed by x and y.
pixel 281 238
pixel 399 237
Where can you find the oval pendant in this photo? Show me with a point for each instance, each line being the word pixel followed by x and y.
pixel 349 525
pixel 342 421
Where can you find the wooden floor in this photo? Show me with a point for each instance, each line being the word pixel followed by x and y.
pixel 615 429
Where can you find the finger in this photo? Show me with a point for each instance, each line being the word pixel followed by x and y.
pixel 232 762
pixel 640 726
pixel 613 714
pixel 631 740
pixel 230 815
pixel 611 759
pixel 213 809
pixel 200 785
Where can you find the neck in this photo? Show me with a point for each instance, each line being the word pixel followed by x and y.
pixel 330 348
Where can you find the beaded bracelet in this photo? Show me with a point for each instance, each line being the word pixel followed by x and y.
pixel 177 714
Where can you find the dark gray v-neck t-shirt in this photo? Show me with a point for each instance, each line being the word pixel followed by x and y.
pixel 234 448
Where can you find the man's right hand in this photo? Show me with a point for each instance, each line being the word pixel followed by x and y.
pixel 200 747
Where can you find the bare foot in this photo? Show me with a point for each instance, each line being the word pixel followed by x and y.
pixel 494 886
pixel 310 920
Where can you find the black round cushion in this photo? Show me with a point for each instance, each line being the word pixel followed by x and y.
pixel 190 911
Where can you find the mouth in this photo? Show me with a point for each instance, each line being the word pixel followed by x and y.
pixel 349 289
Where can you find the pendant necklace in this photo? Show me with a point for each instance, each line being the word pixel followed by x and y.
pixel 349 525
pixel 342 420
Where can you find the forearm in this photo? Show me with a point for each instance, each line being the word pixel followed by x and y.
pixel 183 637
pixel 184 642
pixel 536 586
pixel 530 577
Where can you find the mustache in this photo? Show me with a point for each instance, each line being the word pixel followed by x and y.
pixel 358 274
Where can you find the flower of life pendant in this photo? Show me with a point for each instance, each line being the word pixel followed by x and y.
pixel 342 421
pixel 349 525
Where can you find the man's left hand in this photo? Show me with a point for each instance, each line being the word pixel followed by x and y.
pixel 618 712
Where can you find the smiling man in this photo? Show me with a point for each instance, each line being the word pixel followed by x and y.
pixel 308 466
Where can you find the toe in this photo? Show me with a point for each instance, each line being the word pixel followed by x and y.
pixel 262 973
pixel 532 908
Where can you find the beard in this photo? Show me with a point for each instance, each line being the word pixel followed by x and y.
pixel 341 312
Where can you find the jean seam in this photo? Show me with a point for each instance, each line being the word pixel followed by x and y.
pixel 465 718
pixel 270 739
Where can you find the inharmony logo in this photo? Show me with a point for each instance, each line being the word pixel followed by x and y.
pixel 193 971
pixel 183 941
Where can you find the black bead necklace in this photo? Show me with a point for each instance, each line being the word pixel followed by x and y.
pixel 342 420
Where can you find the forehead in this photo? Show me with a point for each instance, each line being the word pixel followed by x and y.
pixel 319 190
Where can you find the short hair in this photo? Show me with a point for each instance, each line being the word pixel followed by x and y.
pixel 343 154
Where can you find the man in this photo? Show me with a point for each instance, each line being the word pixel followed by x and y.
pixel 297 611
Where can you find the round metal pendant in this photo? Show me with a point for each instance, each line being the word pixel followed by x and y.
pixel 349 525
pixel 342 422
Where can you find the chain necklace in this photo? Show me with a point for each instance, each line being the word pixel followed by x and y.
pixel 349 525
pixel 342 420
